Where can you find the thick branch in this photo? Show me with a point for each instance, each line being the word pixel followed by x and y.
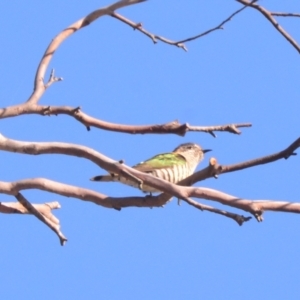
pixel 256 208
pixel 269 16
pixel 112 166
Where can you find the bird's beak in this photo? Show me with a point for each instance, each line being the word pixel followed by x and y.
pixel 206 150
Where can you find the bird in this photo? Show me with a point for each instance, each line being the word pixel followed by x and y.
pixel 173 166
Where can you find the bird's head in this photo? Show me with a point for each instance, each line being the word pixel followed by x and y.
pixel 191 151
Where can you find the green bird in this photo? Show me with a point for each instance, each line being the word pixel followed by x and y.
pixel 173 166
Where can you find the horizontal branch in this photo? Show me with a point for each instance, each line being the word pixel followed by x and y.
pixel 282 14
pixel 13 188
pixel 173 127
pixel 255 207
pixel 18 208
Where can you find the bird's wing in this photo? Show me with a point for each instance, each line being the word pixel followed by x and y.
pixel 165 160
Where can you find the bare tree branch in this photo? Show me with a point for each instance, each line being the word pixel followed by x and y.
pixel 282 14
pixel 41 211
pixel 255 207
pixel 52 222
pixel 269 16
pixel 214 169
pixel 96 197
pixel 220 26
pixel 52 79
pixel 182 192
pixel 173 127
pixel 39 86
pixel 18 208
pixel 31 106
pixel 180 44
pixel 240 219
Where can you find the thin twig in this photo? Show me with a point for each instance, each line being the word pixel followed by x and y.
pixel 220 26
pixel 281 14
pixel 180 44
pixel 240 219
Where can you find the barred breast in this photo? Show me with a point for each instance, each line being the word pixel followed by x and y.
pixel 173 174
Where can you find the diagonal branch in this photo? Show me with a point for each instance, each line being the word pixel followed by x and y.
pixel 269 15
pixel 51 222
pixel 220 26
pixel 41 211
pixel 240 219
pixel 214 169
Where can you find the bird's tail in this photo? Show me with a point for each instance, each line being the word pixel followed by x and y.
pixel 104 178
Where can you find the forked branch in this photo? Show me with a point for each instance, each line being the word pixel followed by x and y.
pixel 269 16
pixel 181 192
pixel 41 211
pixel 255 207
pixel 31 105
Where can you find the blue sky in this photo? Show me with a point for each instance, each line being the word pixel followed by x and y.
pixel 245 73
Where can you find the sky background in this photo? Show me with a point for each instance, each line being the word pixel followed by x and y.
pixel 245 73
